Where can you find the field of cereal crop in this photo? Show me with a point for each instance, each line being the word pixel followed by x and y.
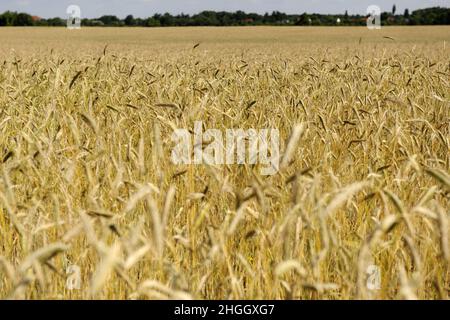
pixel 92 205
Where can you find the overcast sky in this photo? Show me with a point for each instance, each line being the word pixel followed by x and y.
pixel 145 8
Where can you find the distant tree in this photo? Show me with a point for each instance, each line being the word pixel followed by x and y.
pixel 166 20
pixel 207 18
pixel 406 14
pixel 224 18
pixel 394 9
pixel 40 23
pixel 8 18
pixel 130 21
pixel 183 19
pixel 110 20
pixel 303 20
pixel 56 22
pixel 314 20
pixel 385 17
pixel 24 19
pixel 278 17
pixel 239 15
pixel 138 22
pixel 152 22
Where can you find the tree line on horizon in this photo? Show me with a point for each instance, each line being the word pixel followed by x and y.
pixel 429 16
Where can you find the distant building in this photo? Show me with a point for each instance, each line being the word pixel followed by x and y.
pixel 338 21
pixel 36 18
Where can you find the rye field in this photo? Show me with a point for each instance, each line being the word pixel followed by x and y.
pixel 93 207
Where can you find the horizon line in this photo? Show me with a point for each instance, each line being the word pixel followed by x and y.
pixel 216 11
